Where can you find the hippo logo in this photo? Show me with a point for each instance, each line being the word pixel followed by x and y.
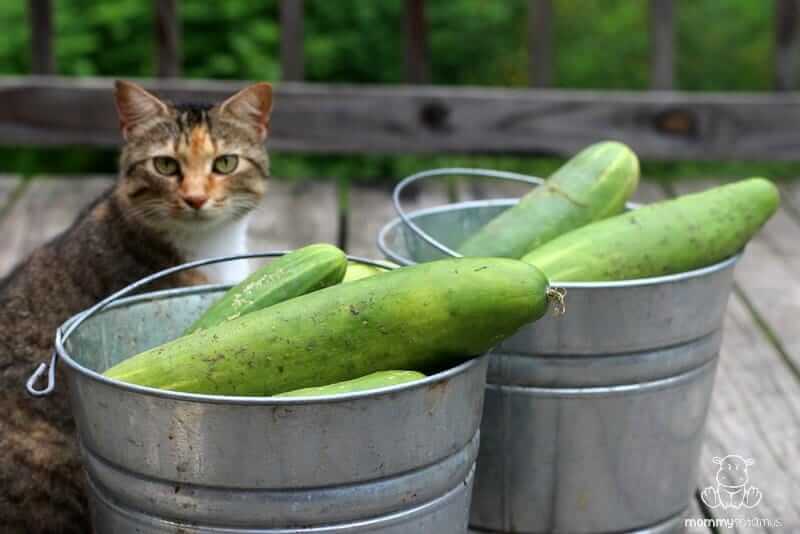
pixel 732 489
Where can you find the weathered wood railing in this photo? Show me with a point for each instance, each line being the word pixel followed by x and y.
pixel 366 119
pixel 756 398
pixel 660 124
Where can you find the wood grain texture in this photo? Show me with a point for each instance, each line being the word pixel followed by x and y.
pixel 415 26
pixel 649 191
pixel 790 197
pixel 47 207
pixel 292 47
pixel 291 215
pixel 755 413
pixel 294 214
pixel 364 119
pixel 787 39
pixel 43 59
pixel 371 209
pixel 479 189
pixel 167 26
pixel 540 43
pixel 755 410
pixel 8 184
pixel 769 275
pixel 662 44
pixel 734 422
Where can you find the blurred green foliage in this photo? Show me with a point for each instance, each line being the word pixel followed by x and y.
pixel 722 46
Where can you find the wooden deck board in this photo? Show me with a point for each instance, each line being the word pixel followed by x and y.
pixel 8 184
pixel 769 276
pixel 371 208
pixel 729 407
pixel 487 188
pixel 649 191
pixel 754 414
pixel 293 214
pixel 755 409
pixel 47 207
pixel 790 195
pixel 481 188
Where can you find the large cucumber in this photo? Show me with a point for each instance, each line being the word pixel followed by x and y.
pixel 379 379
pixel 425 317
pixel 296 273
pixel 593 185
pixel 667 237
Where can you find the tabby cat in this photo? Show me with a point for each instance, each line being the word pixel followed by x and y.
pixel 189 177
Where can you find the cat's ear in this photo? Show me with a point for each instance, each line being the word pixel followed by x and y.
pixel 136 107
pixel 251 105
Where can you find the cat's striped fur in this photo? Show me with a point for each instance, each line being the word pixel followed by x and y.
pixel 149 220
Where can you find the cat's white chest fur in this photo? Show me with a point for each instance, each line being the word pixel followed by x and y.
pixel 224 240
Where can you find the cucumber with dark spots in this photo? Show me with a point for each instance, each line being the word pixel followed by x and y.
pixel 666 237
pixel 405 320
pixel 299 272
pixel 593 185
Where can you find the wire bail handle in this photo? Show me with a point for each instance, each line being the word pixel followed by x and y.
pixel 485 173
pixel 61 336
pixel 555 295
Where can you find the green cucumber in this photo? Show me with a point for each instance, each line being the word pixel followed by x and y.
pixel 357 270
pixel 667 237
pixel 426 317
pixel 291 275
pixel 593 185
pixel 379 379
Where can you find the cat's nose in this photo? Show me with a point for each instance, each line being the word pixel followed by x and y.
pixel 196 200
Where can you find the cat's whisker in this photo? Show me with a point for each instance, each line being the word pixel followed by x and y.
pixel 139 227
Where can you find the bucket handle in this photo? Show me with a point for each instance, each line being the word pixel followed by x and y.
pixel 556 295
pixel 485 173
pixel 62 336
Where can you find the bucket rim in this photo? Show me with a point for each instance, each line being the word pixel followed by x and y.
pixel 232 399
pixel 636 282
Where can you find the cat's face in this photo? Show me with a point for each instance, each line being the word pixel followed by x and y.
pixel 189 167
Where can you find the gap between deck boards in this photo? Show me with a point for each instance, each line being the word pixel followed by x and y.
pixel 756 405
pixel 755 409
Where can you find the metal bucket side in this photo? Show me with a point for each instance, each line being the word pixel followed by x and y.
pixel 603 317
pixel 446 514
pixel 259 507
pixel 589 460
pixel 260 462
pixel 593 420
pixel 552 372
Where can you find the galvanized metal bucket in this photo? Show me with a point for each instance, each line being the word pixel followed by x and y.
pixel 593 420
pixel 389 461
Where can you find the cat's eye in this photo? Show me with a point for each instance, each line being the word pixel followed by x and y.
pixel 226 164
pixel 166 165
